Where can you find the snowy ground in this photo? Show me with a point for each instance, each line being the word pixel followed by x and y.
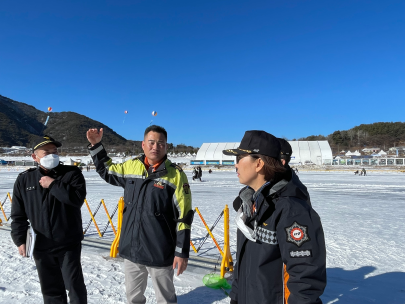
pixel 362 218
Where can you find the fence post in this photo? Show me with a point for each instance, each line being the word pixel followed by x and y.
pixel 114 245
pixel 92 218
pixel 227 263
pixel 209 231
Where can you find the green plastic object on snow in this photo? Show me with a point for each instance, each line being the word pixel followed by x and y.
pixel 215 281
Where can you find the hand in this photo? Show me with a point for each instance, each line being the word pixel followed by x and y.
pixel 45 181
pixel 94 136
pixel 181 264
pixel 21 250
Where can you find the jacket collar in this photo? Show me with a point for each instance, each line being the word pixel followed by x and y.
pixel 160 170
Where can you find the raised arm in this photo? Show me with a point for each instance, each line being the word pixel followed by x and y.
pixel 110 172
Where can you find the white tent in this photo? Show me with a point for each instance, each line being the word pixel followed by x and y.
pixel 316 152
pixel 349 153
pixel 382 153
pixel 356 153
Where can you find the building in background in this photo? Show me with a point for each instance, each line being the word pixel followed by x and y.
pixel 304 152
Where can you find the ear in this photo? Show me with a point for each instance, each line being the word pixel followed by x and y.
pixel 259 165
pixel 34 157
pixel 143 145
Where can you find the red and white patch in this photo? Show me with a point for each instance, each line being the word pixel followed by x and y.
pixel 159 185
pixel 297 234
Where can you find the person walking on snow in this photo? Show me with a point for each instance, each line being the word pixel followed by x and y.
pixel 195 174
pixel 157 217
pixel 50 197
pixel 281 254
pixel 199 173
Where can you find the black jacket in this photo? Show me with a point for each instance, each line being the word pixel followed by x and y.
pixel 287 263
pixel 54 213
pixel 153 201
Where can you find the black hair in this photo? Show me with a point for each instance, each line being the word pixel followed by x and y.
pixel 271 167
pixel 157 129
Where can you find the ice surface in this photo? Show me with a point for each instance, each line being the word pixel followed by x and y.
pixel 362 218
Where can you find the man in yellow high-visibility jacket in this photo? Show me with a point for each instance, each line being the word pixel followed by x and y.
pixel 155 232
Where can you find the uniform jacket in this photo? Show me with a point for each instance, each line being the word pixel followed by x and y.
pixel 150 234
pixel 287 263
pixel 54 213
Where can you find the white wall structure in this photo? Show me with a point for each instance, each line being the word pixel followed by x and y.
pixel 211 154
pixel 304 152
pixel 311 152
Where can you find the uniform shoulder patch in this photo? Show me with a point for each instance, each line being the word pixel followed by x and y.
pixel 26 171
pixel 176 166
pixel 297 234
pixel 186 188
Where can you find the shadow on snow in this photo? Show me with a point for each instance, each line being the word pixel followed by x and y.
pixel 202 295
pixel 351 287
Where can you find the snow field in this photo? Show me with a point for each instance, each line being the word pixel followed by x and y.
pixel 362 217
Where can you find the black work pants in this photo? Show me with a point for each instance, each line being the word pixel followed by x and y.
pixel 60 271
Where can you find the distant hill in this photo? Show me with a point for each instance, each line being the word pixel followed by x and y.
pixel 20 123
pixel 380 134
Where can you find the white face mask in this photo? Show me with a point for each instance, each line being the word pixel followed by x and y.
pixel 49 161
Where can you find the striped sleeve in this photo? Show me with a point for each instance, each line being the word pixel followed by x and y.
pixel 182 201
pixel 110 172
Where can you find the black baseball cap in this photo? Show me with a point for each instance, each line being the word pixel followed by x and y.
pixel 257 142
pixel 286 149
pixel 42 141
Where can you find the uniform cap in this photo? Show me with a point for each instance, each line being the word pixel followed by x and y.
pixel 42 141
pixel 285 147
pixel 257 142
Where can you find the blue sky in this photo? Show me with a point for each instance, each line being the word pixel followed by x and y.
pixel 211 69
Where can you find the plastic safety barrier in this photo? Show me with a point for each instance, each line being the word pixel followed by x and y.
pixel 93 220
pixel 227 262
pixel 209 231
pixel 114 245
pixel 109 218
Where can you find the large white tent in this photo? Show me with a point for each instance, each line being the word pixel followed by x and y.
pixel 304 152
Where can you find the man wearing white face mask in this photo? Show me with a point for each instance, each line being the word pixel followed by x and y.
pixel 50 197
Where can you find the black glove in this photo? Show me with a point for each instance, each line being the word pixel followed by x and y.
pixel 233 302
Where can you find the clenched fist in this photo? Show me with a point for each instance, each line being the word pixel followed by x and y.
pixel 45 181
pixel 94 136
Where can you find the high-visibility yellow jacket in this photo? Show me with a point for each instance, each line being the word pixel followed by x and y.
pixel 150 233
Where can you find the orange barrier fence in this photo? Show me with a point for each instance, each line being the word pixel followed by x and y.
pixel 2 206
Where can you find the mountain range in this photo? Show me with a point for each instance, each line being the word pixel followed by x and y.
pixel 20 123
